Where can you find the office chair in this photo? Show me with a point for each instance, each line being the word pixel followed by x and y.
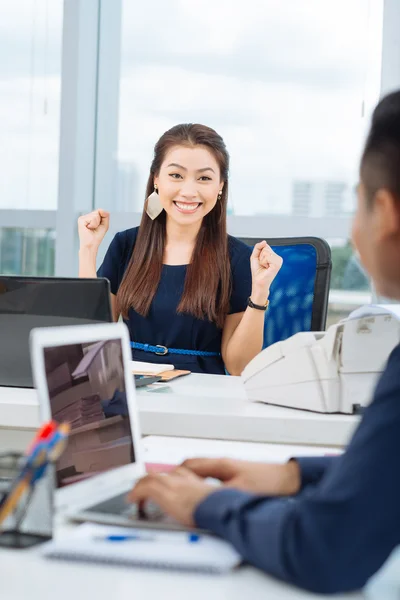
pixel 299 294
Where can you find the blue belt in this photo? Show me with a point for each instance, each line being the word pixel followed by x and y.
pixel 163 350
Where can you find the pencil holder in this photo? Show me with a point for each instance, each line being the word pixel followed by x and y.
pixel 32 520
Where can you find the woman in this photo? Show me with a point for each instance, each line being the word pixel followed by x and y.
pixel 190 294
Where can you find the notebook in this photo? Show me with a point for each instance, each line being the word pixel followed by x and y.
pixel 170 550
pixel 150 368
pixel 165 372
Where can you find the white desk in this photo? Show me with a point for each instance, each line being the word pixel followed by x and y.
pixel 24 575
pixel 161 450
pixel 19 417
pixel 215 407
pixel 202 406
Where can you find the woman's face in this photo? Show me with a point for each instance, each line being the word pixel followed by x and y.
pixel 188 183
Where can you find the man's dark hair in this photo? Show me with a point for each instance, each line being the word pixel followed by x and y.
pixel 380 162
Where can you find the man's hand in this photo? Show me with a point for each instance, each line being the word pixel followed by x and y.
pixel 258 478
pixel 177 493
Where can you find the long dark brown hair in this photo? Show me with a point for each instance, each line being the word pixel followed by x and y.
pixel 208 278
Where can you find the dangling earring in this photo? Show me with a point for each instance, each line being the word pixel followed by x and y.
pixel 219 206
pixel 153 205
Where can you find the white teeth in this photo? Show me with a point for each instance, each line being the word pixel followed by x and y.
pixel 187 207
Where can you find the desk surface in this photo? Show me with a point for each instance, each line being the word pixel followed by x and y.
pixel 216 407
pixel 170 451
pixel 24 574
pixel 204 406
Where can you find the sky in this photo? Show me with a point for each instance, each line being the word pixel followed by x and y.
pixel 283 81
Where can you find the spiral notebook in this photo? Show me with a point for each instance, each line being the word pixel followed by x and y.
pixel 170 550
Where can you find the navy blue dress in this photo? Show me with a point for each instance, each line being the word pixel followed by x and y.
pixel 163 325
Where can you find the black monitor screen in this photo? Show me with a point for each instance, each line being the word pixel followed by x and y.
pixel 26 303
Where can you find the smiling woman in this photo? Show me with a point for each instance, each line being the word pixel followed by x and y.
pixel 189 293
pixel 189 203
pixel 179 236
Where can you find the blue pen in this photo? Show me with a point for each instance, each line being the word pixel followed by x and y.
pixel 125 538
pixel 192 538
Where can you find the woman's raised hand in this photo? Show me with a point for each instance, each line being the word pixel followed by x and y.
pixel 92 228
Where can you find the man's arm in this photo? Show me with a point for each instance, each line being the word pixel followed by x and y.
pixel 333 536
pixel 313 468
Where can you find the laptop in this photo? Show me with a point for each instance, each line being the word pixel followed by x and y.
pixel 27 302
pixel 82 376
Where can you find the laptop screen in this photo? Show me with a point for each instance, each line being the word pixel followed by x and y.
pixel 86 387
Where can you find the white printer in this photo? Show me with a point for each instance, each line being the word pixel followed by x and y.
pixel 330 372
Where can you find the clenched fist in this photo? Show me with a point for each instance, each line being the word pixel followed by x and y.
pixel 92 228
pixel 265 265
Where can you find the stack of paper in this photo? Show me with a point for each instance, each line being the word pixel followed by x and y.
pixel 144 368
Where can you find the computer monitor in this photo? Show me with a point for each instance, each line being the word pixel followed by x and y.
pixel 28 302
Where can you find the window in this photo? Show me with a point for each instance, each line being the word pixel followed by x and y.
pixel 27 251
pixel 287 84
pixel 350 284
pixel 290 86
pixel 30 65
pixel 30 88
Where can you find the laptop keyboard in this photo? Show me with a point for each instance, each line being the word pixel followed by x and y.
pixel 119 506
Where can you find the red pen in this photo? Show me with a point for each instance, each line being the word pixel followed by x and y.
pixel 46 431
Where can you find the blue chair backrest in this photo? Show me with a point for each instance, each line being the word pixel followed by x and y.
pixel 299 294
pixel 292 294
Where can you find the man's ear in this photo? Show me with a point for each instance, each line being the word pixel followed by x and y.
pixel 386 215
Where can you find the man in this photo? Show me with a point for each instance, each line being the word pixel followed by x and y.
pixel 325 524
